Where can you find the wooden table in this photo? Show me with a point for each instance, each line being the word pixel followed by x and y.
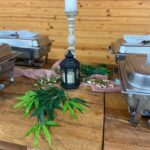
pixel 105 125
pixel 118 133
pixel 86 133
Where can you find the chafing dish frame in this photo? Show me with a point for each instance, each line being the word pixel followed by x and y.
pixel 138 101
pixel 6 68
pixel 33 50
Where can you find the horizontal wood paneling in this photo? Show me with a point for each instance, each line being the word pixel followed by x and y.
pixel 98 23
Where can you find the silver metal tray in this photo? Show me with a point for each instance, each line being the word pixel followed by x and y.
pixel 7 58
pixel 34 50
pixel 135 75
pixel 34 43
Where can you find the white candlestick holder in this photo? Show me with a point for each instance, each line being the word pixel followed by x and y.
pixel 71 37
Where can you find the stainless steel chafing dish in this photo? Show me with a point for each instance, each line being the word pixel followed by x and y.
pixel 33 49
pixel 134 70
pixel 7 57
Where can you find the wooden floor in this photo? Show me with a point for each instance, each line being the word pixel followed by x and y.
pixel 105 125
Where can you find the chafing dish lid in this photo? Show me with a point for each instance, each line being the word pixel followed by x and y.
pixel 123 47
pixel 35 42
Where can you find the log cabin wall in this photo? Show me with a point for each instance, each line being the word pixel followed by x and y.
pixel 98 23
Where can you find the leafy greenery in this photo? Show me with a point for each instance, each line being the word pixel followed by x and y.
pixel 74 103
pixel 90 70
pixel 43 103
pixel 85 71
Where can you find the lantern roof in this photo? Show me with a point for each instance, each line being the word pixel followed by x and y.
pixel 69 61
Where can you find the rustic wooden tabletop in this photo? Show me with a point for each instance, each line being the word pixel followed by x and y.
pixel 105 125
pixel 86 133
pixel 118 133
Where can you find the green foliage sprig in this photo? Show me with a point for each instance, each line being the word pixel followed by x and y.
pixel 91 70
pixel 43 103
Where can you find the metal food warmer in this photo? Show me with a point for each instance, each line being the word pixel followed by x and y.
pixel 33 49
pixel 7 59
pixel 134 70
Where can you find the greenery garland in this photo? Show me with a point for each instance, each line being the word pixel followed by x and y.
pixel 43 103
pixel 90 70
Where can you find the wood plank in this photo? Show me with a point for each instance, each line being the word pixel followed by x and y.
pixel 83 134
pixel 138 4
pixel 119 134
pixel 81 3
pixel 82 26
pixel 105 25
pixel 85 55
pixel 78 19
pixel 83 12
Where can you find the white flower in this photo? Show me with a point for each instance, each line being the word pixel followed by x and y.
pixel 89 82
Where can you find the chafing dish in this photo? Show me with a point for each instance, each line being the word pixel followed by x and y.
pixel 134 70
pixel 33 49
pixel 7 58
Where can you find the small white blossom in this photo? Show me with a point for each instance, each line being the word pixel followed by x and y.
pixel 89 82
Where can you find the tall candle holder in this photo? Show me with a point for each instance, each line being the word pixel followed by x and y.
pixel 71 37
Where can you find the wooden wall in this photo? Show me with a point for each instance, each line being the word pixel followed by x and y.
pixel 98 23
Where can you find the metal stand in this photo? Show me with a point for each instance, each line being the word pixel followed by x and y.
pixel 31 61
pixel 10 76
pixel 137 111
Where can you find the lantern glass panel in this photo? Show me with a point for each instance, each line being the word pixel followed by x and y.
pixel 63 75
pixel 70 76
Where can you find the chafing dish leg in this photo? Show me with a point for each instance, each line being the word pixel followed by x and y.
pixel 11 79
pixel 46 59
pixel 11 76
pixel 135 117
pixel 31 61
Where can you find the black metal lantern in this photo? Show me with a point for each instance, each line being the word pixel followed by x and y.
pixel 69 68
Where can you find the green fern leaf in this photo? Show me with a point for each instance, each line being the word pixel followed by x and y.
pixel 36 136
pixel 46 134
pixel 51 123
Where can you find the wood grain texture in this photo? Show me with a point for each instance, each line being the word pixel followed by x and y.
pixel 98 23
pixel 86 133
pixel 118 133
